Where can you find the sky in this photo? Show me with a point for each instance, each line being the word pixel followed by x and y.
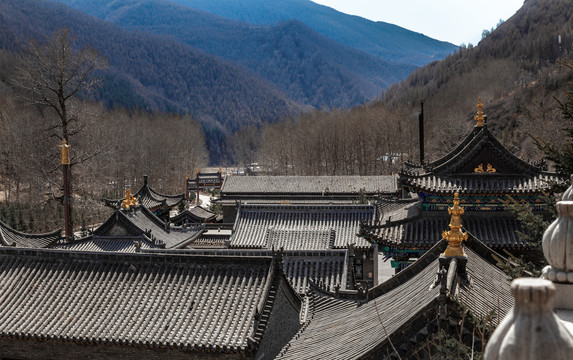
pixel 455 21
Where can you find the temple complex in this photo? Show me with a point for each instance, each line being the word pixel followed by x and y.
pixel 489 180
pixel 292 273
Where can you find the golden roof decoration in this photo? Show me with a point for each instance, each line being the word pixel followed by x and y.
pixel 489 169
pixel 129 200
pixel 479 118
pixel 455 236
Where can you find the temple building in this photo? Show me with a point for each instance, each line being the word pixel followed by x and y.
pixel 302 190
pixel 204 181
pixel 134 227
pixel 195 215
pixel 316 233
pixel 69 305
pixel 401 317
pixel 489 179
pixel 159 204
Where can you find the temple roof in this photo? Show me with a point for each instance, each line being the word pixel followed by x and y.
pixel 161 301
pixel 194 215
pixel 479 165
pixel 150 198
pixel 349 329
pixel 94 243
pixel 397 210
pixel 11 237
pixel 496 230
pixel 327 269
pixel 308 185
pixel 126 230
pixel 300 227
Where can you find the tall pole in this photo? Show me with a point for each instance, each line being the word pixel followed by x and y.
pixel 421 130
pixel 65 162
pixel 197 186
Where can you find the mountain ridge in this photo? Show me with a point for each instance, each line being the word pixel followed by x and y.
pixel 310 68
pixel 350 30
pixel 167 75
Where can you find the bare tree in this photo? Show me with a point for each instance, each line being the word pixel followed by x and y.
pixel 51 74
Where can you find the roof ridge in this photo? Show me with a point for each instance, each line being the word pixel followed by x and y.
pixel 148 256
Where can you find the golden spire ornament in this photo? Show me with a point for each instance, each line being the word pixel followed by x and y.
pixel 455 236
pixel 129 200
pixel 479 118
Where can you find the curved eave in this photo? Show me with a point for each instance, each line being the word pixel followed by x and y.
pixel 12 237
pixel 412 182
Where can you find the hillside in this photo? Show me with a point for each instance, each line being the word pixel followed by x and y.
pixel 310 68
pixel 515 70
pixel 156 72
pixel 389 42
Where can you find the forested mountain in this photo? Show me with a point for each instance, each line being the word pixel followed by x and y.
pixel 390 42
pixel 515 69
pixel 310 68
pixel 155 72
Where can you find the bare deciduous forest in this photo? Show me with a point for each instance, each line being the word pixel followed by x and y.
pixel 516 69
pixel 129 145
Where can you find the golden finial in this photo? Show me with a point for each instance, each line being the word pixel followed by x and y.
pixel 129 200
pixel 197 171
pixel 479 117
pixel 64 153
pixel 187 177
pixel 455 236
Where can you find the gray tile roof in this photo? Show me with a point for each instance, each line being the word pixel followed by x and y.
pixel 348 329
pixel 304 239
pixel 308 184
pixel 398 210
pixel 150 198
pixel 497 230
pixel 91 243
pixel 480 185
pixel 456 170
pixel 489 291
pixel 300 227
pixel 326 269
pixel 161 300
pixel 11 237
pixel 143 219
pixel 123 228
pixel 196 214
